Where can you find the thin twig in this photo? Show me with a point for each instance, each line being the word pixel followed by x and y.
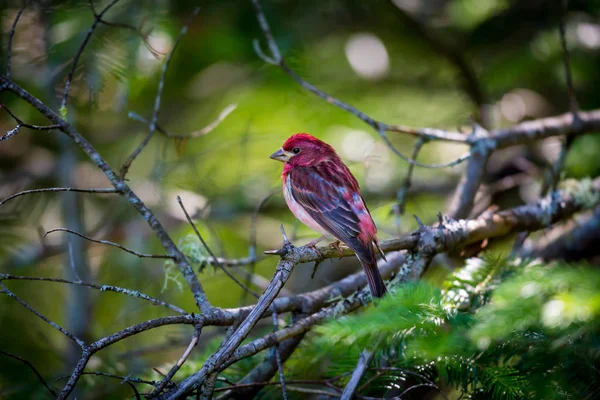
pixel 399 208
pixel 180 362
pixel 200 132
pixel 5 290
pixel 143 37
pixel 420 385
pixel 556 169
pixel 122 378
pixel 35 371
pixel 278 356
pixel 378 126
pixel 102 288
pixel 252 247
pixel 157 99
pixel 109 243
pixel 11 33
pixel 87 38
pixel 60 189
pixel 72 259
pixel 215 259
pixel 26 125
pixel 11 133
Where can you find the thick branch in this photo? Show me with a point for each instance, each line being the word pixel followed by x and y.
pixel 284 269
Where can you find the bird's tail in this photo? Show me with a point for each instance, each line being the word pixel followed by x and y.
pixel 373 275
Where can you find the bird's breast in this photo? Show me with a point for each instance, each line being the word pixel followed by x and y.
pixel 297 209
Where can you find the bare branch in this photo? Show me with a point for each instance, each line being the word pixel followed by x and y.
pixel 11 33
pixel 543 128
pixel 361 367
pixel 214 258
pixel 122 378
pixel 77 372
pixel 59 189
pixel 11 133
pixel 87 38
pixel 568 244
pixel 398 209
pixel 109 243
pixel 138 31
pixel 59 328
pixel 30 126
pixel 284 269
pixel 121 187
pixel 278 358
pixel 378 126
pixel 102 288
pixel 35 371
pixel 464 197
pixel 161 84
pixel 179 363
pixel 200 132
pixel 454 234
pixel 72 260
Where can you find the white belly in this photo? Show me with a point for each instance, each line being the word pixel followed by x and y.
pixel 299 211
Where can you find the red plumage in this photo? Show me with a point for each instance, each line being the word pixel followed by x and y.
pixel 321 192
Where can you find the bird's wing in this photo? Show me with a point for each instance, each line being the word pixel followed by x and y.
pixel 327 195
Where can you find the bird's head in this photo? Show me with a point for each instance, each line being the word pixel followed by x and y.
pixel 303 150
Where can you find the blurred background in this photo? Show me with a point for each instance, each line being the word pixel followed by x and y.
pixel 429 63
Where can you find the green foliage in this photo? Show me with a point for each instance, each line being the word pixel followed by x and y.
pixel 498 330
pixel 416 306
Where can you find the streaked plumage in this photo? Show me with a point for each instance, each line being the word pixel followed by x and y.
pixel 322 193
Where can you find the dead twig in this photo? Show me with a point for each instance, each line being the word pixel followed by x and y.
pixel 157 99
pixel 109 243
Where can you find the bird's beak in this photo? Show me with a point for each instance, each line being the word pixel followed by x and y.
pixel 282 155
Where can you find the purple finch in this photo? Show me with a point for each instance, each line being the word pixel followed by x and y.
pixel 321 192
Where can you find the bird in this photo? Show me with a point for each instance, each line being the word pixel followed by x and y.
pixel 322 193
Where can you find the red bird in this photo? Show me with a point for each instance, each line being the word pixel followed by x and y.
pixel 321 192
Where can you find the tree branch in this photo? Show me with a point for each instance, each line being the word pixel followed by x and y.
pixel 157 99
pixel 109 243
pixel 102 288
pixel 121 187
pixel 11 33
pixel 289 258
pixel 35 371
pixel 87 38
pixel 6 291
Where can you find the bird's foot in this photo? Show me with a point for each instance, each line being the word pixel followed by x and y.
pixel 336 245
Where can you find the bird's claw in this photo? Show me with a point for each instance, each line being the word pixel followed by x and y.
pixel 336 245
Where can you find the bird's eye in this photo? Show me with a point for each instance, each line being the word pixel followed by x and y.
pixel 296 150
